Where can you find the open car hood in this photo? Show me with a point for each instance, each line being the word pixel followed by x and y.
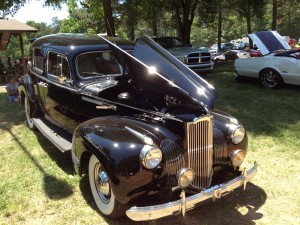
pixel 153 68
pixel 269 41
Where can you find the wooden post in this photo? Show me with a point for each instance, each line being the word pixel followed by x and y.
pixel 22 53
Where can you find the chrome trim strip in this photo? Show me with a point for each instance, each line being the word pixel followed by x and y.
pixel 176 207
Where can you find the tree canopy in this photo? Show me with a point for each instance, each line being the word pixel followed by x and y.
pixel 199 22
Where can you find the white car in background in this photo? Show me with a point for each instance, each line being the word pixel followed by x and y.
pixel 278 65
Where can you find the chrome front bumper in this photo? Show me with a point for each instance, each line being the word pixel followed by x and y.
pixel 187 203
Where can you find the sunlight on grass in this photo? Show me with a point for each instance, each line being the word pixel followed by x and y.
pixel 38 184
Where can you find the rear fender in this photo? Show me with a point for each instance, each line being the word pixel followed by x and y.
pixel 26 86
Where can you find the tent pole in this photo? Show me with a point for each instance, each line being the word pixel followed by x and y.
pixel 22 53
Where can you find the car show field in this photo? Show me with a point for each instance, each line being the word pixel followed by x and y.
pixel 39 185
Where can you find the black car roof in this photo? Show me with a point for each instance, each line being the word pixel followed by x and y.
pixel 66 40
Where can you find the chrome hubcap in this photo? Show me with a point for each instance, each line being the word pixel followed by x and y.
pixel 102 184
pixel 270 79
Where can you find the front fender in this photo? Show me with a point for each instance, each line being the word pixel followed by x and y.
pixel 118 149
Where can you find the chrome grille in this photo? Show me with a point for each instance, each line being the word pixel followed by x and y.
pixel 198 57
pixel 199 142
pixel 174 161
pixel 220 147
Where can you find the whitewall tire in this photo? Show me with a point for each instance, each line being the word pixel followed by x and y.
pixel 102 191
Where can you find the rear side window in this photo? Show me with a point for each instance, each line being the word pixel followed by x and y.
pixel 94 64
pixel 38 60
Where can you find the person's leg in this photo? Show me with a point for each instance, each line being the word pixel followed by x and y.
pixel 17 99
pixel 11 99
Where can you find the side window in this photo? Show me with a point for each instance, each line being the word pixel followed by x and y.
pixel 38 59
pixel 58 66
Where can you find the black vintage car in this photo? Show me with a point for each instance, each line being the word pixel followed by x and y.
pixel 138 122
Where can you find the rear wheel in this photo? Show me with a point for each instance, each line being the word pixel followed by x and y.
pixel 102 192
pixel 271 78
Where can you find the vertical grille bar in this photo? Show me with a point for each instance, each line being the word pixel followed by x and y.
pixel 220 147
pixel 199 141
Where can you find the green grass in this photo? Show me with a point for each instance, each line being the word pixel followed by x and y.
pixel 38 184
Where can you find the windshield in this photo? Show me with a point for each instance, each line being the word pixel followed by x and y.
pixel 93 64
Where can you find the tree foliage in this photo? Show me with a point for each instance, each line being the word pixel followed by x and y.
pixel 10 7
pixel 200 22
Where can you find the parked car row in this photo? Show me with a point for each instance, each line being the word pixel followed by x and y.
pixel 232 55
pixel 277 65
pixel 224 47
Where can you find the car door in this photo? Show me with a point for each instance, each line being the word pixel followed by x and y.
pixel 59 97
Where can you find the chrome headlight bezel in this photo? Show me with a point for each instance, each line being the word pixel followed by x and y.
pixel 237 157
pixel 150 156
pixel 185 177
pixel 238 133
pixel 181 59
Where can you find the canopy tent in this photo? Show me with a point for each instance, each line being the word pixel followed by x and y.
pixel 10 27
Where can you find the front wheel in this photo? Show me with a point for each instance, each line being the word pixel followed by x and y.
pixel 271 78
pixel 102 191
pixel 27 107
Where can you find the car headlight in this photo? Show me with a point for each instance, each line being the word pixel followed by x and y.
pixel 185 177
pixel 181 59
pixel 150 156
pixel 237 157
pixel 237 133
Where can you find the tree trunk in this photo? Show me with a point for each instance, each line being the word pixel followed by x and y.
pixel 249 30
pixel 219 28
pixel 274 15
pixel 188 13
pixel 179 24
pixel 154 26
pixel 248 22
pixel 109 20
pixel 131 33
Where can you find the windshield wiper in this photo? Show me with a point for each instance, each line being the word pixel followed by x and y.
pixel 94 74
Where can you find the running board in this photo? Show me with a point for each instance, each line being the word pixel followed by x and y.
pixel 60 138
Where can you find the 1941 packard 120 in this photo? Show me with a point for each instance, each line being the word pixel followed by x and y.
pixel 138 122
